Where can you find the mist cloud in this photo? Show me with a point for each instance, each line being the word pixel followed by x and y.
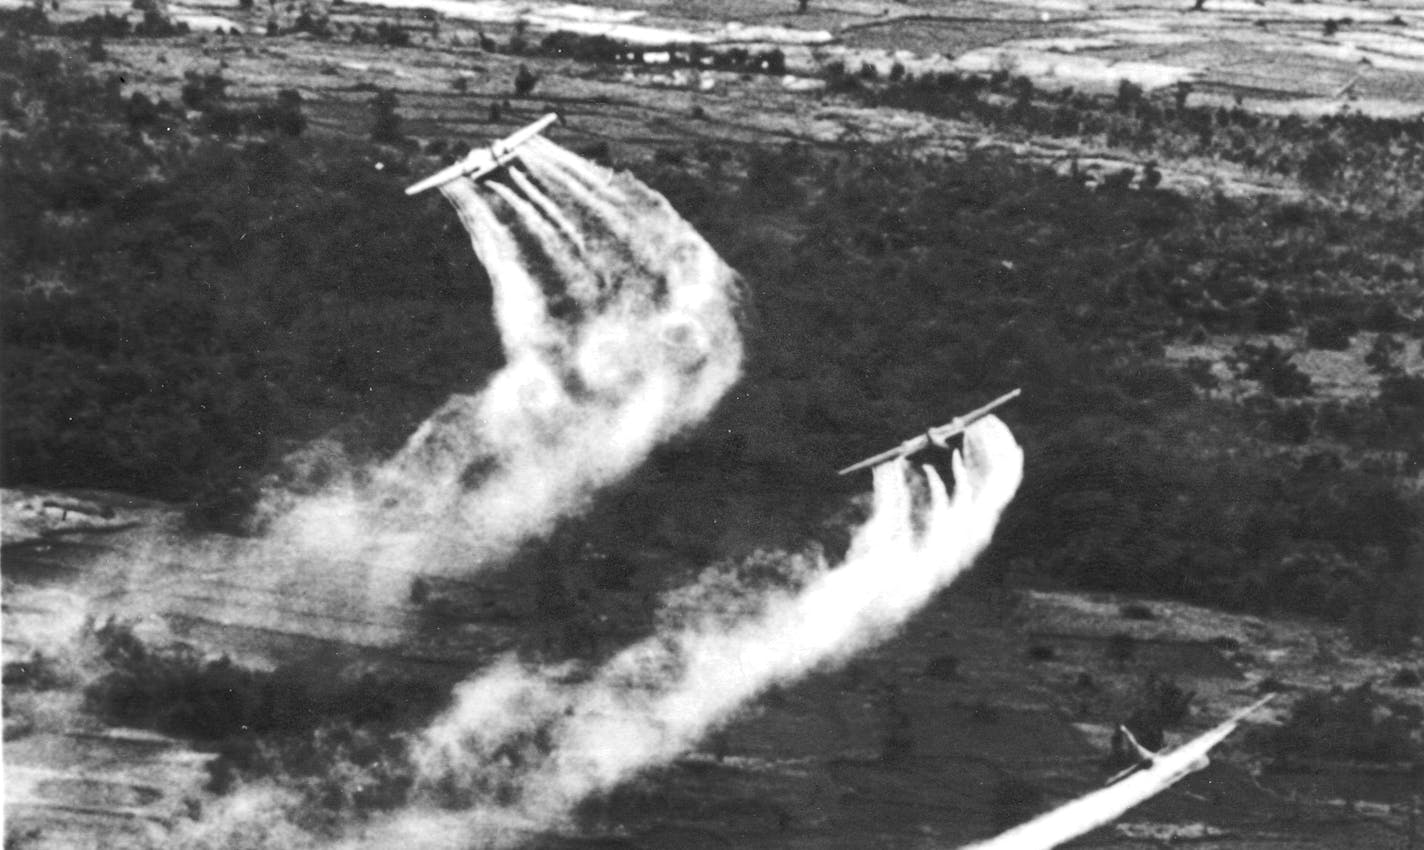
pixel 524 746
pixel 619 328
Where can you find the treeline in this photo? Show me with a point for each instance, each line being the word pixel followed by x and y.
pixel 1363 159
pixel 182 307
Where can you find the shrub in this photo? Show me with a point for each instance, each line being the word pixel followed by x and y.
pixel 1331 334
pixel 1137 611
pixel 392 35
pixel 1407 678
pixel 287 117
pixel 524 80
pixel 155 24
pixel 37 672
pixel 386 128
pixel 1384 317
pixel 318 27
pixel 1351 724
pixel 1272 367
pixel 204 92
pixel 1274 313
pixel 1129 96
pixel 1322 162
pixel 96 28
pixel 1382 358
pixel 141 113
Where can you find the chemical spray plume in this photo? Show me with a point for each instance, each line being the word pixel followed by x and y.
pixel 1102 807
pixel 618 323
pixel 527 746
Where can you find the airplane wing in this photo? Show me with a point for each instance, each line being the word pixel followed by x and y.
pixel 935 435
pixel 909 447
pixel 481 162
pixel 1105 805
pixel 477 163
pixel 505 147
pixel 1128 771
pixel 1124 773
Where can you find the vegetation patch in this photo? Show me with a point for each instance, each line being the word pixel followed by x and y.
pixel 1358 724
pixel 176 691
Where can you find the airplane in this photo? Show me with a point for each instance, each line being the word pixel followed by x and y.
pixel 1103 806
pixel 1147 758
pixel 481 162
pixel 936 436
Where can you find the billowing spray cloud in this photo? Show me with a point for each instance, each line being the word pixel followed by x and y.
pixel 522 747
pixel 619 329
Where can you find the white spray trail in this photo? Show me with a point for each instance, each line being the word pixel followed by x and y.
pixel 1106 805
pixel 618 323
pixel 526 748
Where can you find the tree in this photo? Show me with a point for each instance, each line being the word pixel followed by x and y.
pixel 1331 334
pixel 1273 312
pixel 288 115
pixel 1383 355
pixel 204 92
pixel 1272 367
pixel 387 127
pixel 524 80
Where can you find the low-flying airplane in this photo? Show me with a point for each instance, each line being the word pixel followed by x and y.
pixel 934 436
pixel 481 162
pixel 1104 805
pixel 1147 758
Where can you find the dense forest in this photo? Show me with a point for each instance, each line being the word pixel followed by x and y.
pixel 193 289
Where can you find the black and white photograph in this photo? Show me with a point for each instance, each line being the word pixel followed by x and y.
pixel 690 425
